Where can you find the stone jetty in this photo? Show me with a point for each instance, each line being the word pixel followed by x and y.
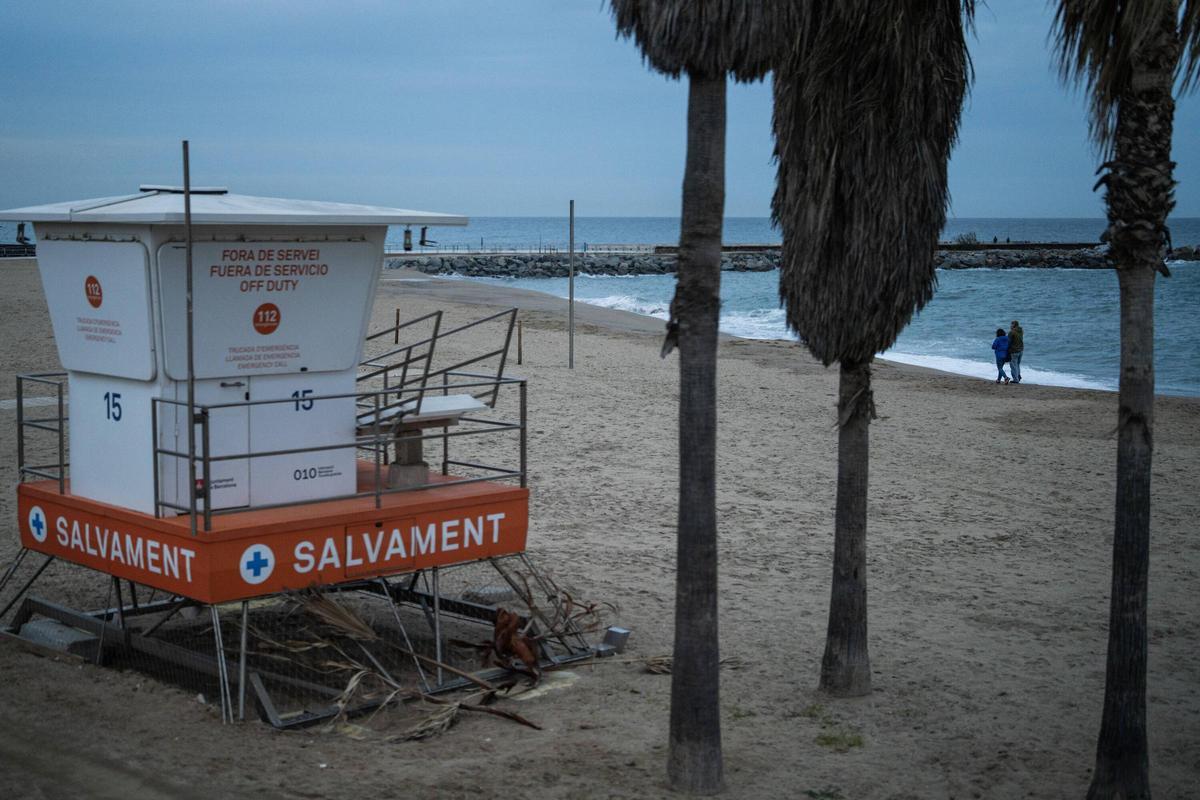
pixel 554 265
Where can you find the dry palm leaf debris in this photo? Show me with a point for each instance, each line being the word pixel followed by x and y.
pixel 568 616
pixel 329 653
pixel 368 681
pixel 512 648
pixel 436 722
pixel 661 665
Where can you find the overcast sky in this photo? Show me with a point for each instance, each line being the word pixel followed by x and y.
pixel 481 108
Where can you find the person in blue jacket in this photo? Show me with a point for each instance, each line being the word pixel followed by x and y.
pixel 1000 346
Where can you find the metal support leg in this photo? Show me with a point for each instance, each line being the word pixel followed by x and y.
pixel 242 662
pixel 116 584
pixel 403 632
pixel 222 672
pixel 28 583
pixel 12 568
pixel 172 611
pixel 437 624
pixel 103 626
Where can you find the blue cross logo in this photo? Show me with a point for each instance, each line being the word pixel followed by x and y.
pixel 37 523
pixel 256 564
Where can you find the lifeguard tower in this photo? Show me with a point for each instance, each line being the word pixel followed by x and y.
pixel 228 442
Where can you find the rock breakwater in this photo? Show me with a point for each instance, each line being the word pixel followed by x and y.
pixel 554 265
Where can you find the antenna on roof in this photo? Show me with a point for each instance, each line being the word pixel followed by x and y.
pixel 191 363
pixel 153 187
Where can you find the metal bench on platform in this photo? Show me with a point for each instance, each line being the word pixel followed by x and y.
pixel 406 370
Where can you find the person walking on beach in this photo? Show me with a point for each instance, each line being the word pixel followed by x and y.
pixel 1016 346
pixel 1000 346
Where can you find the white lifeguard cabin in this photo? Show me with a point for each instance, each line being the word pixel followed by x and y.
pixel 282 293
pixel 283 409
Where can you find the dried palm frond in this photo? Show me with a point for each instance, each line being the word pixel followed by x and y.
pixel 661 665
pixel 511 648
pixel 337 616
pixel 435 722
pixel 658 665
pixel 569 616
pixel 264 643
pixel 358 733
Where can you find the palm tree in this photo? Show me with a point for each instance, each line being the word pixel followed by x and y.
pixel 707 40
pixel 867 107
pixel 1127 54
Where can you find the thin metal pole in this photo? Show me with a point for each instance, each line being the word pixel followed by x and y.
pixel 29 583
pixel 520 336
pixel 387 593
pixel 437 623
pixel 397 331
pixel 571 295
pixel 12 568
pixel 120 601
pixel 20 430
pixel 191 363
pixel 242 663
pixel 375 441
pixel 103 623
pixel 524 428
pixel 157 455
pixel 62 456
pixel 207 473
pixel 445 438
pixel 222 673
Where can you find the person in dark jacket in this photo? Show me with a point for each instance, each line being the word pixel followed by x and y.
pixel 1016 346
pixel 1000 346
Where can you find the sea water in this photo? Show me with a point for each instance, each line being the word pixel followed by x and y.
pixel 1070 317
pixel 534 233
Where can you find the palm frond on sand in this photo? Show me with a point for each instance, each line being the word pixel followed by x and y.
pixel 368 683
pixel 662 665
pixel 337 616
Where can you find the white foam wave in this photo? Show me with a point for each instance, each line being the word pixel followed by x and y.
pixel 759 323
pixel 987 371
pixel 631 303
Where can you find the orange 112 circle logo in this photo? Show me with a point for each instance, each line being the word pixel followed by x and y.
pixel 93 292
pixel 266 318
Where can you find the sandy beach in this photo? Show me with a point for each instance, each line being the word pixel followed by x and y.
pixel 989 541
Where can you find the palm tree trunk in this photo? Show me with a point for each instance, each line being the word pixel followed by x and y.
pixel 694 757
pixel 846 666
pixel 1139 198
pixel 1122 759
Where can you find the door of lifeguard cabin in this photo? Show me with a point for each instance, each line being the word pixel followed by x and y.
pixel 278 331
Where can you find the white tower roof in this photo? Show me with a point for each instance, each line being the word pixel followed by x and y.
pixel 215 206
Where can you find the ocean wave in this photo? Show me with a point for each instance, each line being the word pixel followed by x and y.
pixel 630 303
pixel 759 323
pixel 987 370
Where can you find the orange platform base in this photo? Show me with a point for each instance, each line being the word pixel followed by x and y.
pixel 256 553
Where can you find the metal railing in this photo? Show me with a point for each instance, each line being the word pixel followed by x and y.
pixel 373 438
pixel 406 383
pixel 56 425
pixel 378 366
